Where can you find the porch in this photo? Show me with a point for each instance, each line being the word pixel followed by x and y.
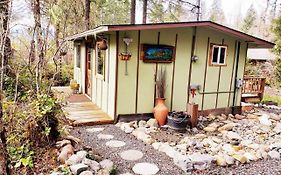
pixel 81 110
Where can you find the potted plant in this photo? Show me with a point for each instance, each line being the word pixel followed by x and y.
pixel 74 86
pixel 160 110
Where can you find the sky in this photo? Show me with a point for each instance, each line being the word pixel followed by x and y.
pixel 231 9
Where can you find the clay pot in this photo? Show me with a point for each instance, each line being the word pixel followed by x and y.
pixel 160 111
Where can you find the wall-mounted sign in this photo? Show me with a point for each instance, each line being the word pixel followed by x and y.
pixel 157 53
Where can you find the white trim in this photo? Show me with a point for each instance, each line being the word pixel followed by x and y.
pixel 88 33
pixel 219 54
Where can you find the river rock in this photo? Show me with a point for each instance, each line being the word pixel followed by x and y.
pixel 252 116
pixel 82 154
pixel 201 161
pixel 65 153
pixel 275 116
pixel 86 173
pixel 209 129
pixel 142 123
pixel 220 161
pixel 94 165
pixel 183 162
pixel 233 135
pixel 62 143
pixel 226 127
pixel 264 120
pixel 277 128
pixel 274 154
pixel 152 123
pixel 78 168
pixel 74 159
pixel 106 164
pixel 240 158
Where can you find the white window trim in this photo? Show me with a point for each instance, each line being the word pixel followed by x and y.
pixel 218 57
pixel 100 76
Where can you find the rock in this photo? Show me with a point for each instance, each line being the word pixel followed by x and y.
pixel 86 173
pixel 142 123
pixel 65 153
pixel 252 116
pixel 183 162
pixel 228 159
pixel 62 143
pixel 209 129
pixel 275 117
pixel 226 127
pixel 277 128
pixel 220 161
pixel 145 168
pixel 74 139
pixel 129 130
pixel 274 154
pixel 227 148
pixel 152 123
pixel 250 156
pixel 264 120
pixel 115 143
pixel 201 161
pixel 126 126
pixel 233 135
pixel 94 165
pixel 93 130
pixel 105 136
pixel 131 155
pixel 143 136
pixel 78 168
pixel 82 154
pixel 240 158
pixel 106 164
pixel 230 116
pixel 198 136
pixel 239 117
pixel 74 159
pixel 156 145
pixel 103 172
pixel 167 149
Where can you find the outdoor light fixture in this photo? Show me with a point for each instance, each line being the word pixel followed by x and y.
pixel 194 58
pixel 125 56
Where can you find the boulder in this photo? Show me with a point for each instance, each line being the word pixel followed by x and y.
pixel 152 123
pixel 274 154
pixel 74 159
pixel 95 166
pixel 78 168
pixel 65 153
pixel 106 164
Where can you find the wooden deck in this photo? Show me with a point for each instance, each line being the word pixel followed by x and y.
pixel 82 111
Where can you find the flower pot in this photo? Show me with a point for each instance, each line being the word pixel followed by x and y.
pixel 160 111
pixel 178 121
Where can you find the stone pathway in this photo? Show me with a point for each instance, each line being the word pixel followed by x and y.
pixel 128 155
pixel 131 156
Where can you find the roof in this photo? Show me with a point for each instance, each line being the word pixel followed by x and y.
pixel 260 54
pixel 253 41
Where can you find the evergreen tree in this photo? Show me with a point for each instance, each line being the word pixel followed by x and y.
pixel 249 20
pixel 217 13
pixel 276 28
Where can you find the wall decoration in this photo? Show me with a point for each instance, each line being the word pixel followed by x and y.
pixel 157 53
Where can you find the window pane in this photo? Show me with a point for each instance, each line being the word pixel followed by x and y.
pixel 215 55
pixel 222 55
pixel 100 61
pixel 78 56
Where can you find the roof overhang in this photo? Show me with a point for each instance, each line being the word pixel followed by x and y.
pixel 253 41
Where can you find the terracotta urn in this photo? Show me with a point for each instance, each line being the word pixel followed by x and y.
pixel 160 111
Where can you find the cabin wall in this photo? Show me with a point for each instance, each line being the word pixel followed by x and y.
pixel 136 91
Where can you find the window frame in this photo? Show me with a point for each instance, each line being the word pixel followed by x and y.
pixel 211 50
pixel 98 75
pixel 78 56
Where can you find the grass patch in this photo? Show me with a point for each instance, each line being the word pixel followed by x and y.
pixel 272 98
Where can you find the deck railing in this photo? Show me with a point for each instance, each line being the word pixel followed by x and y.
pixel 253 85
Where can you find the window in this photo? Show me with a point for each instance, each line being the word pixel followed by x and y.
pixel 218 55
pixel 100 62
pixel 78 56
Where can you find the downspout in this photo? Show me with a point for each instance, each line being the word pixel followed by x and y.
pixel 236 72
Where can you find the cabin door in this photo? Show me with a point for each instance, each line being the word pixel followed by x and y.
pixel 88 73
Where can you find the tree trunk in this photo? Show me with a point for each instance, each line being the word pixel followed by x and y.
pixel 133 11
pixel 87 14
pixel 144 12
pixel 5 53
pixel 39 42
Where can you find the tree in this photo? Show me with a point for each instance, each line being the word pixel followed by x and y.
pixel 5 53
pixel 216 12
pixel 276 28
pixel 249 20
pixel 144 12
pixel 87 14
pixel 133 11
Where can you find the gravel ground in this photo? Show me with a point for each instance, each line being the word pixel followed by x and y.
pixel 164 163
